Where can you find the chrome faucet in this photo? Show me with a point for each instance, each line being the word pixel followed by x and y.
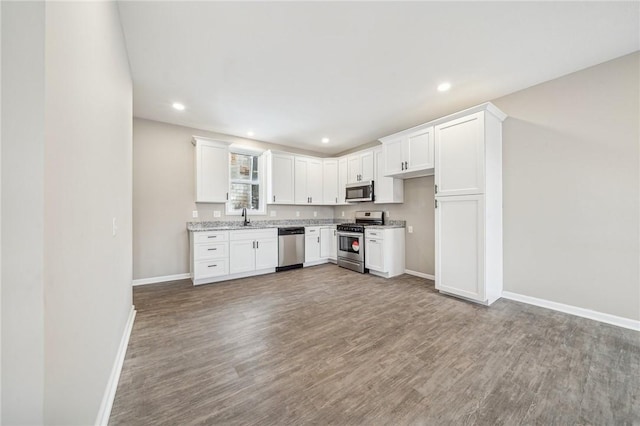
pixel 246 218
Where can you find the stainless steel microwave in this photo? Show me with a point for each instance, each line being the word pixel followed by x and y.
pixel 359 191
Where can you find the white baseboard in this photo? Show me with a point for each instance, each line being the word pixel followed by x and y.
pixel 574 310
pixel 165 278
pixel 112 384
pixel 420 274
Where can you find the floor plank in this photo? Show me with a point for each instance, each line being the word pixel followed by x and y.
pixel 324 345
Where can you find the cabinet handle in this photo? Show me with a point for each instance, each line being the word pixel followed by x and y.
pixel 402 165
pixel 227 196
pixel 318 240
pixel 336 200
pixel 257 245
pixel 311 199
pixel 436 203
pixel 212 236
pixel 436 188
pixel 274 198
pixel 406 165
pixel 212 249
pixel 212 266
pixel 253 244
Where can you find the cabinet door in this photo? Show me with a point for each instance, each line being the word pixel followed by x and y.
pixel 394 159
pixel 353 172
pixel 460 246
pixel 420 150
pixel 342 180
pixel 314 180
pixel 212 172
pixel 383 186
pixel 374 254
pixel 459 163
pixel 327 243
pixel 282 179
pixel 333 252
pixel 330 182
pixel 242 256
pixel 300 184
pixel 367 171
pixel 312 248
pixel 266 253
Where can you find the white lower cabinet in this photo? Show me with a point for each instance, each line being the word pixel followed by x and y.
pixel 384 251
pixel 320 245
pixel 311 245
pixel 329 243
pixel 253 250
pixel 232 254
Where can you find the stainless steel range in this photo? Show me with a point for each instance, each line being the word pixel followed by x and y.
pixel 351 248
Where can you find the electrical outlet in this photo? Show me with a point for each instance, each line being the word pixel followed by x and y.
pixel 297 214
pixel 194 213
pixel 216 213
pixel 114 227
pixel 410 229
pixel 388 214
pixel 273 213
pixel 315 214
pixel 342 214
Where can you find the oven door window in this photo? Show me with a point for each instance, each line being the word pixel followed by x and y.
pixel 349 243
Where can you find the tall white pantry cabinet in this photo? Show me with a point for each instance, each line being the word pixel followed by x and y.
pixel 468 203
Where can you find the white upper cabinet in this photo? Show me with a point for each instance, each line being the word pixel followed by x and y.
pixel 460 156
pixel 330 183
pixel 342 180
pixel 308 180
pixel 409 153
pixel 360 166
pixel 212 170
pixel 280 178
pixel 386 189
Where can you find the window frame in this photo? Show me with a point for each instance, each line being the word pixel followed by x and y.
pixel 261 182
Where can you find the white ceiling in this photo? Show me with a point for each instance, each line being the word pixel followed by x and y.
pixel 295 72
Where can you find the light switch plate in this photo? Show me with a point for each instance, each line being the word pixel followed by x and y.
pixel 342 214
pixel 273 213
pixel 315 214
pixel 297 214
pixel 410 229
pixel 216 213
pixel 194 213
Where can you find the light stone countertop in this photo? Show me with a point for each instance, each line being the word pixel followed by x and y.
pixel 265 224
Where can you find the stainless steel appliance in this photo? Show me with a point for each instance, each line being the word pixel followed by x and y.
pixel 351 247
pixel 359 191
pixel 290 248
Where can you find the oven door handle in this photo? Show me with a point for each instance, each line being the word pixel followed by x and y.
pixel 350 234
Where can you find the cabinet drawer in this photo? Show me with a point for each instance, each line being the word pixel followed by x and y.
pixel 210 237
pixel 253 234
pixel 378 234
pixel 211 251
pixel 211 268
pixel 312 230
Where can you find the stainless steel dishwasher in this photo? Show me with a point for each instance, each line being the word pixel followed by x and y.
pixel 290 248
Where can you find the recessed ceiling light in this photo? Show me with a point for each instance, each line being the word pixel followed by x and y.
pixel 325 140
pixel 249 133
pixel 443 87
pixel 178 106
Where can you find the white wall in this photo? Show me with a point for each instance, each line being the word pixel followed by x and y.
pixel 88 182
pixel 66 172
pixel 22 212
pixel 164 194
pixel 571 189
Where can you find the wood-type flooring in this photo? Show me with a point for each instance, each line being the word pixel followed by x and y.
pixel 325 345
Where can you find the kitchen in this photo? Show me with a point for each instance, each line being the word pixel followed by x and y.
pixel 105 106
